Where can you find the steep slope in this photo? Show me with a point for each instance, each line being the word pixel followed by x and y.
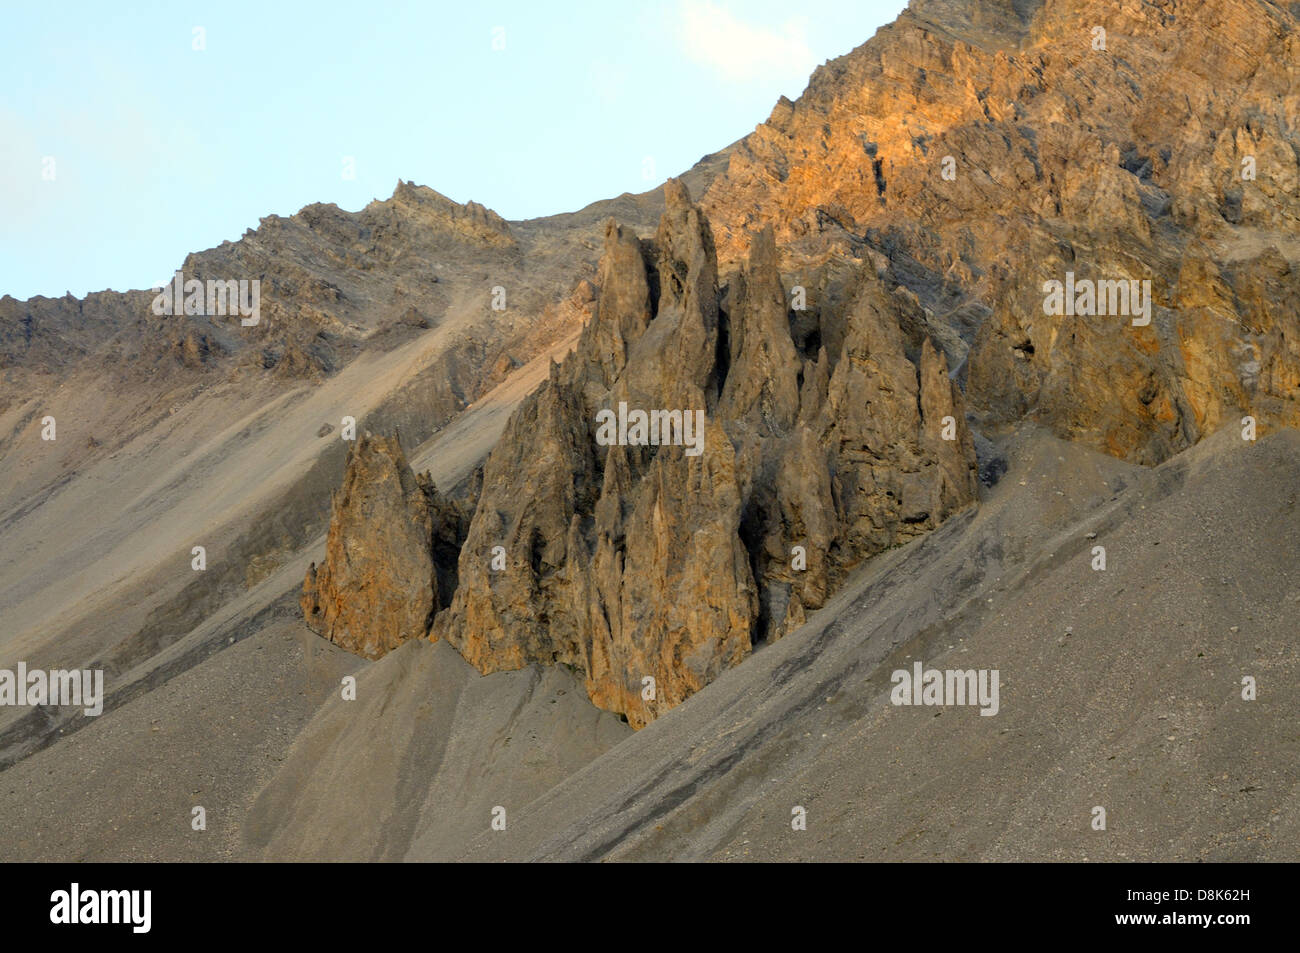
pixel 176 431
pixel 852 324
pixel 1119 688
pixel 981 149
pixel 653 569
pixel 124 787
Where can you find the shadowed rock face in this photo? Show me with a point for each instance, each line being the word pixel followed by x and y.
pixel 624 562
pixel 634 562
pixel 392 545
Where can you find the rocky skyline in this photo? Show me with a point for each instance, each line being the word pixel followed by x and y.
pixel 982 355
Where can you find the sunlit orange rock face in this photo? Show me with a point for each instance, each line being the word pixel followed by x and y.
pixel 389 532
pixel 1164 151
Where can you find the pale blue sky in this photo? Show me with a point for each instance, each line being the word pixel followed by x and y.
pixel 160 149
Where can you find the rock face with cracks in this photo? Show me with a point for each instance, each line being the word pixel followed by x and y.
pixel 391 548
pixel 650 569
pixel 921 195
pixel 980 149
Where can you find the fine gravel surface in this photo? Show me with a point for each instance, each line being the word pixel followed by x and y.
pixel 419 763
pixel 124 787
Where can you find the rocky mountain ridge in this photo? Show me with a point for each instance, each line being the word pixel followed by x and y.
pixel 651 570
pixel 982 149
pixel 921 300
pixel 918 201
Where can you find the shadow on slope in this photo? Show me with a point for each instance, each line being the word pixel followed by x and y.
pixel 424 755
pixel 1119 688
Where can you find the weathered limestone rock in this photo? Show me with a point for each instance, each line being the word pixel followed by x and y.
pixel 763 371
pixel 623 308
pixel 514 604
pixel 686 599
pixel 652 569
pixel 622 561
pixel 977 150
pixel 389 533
